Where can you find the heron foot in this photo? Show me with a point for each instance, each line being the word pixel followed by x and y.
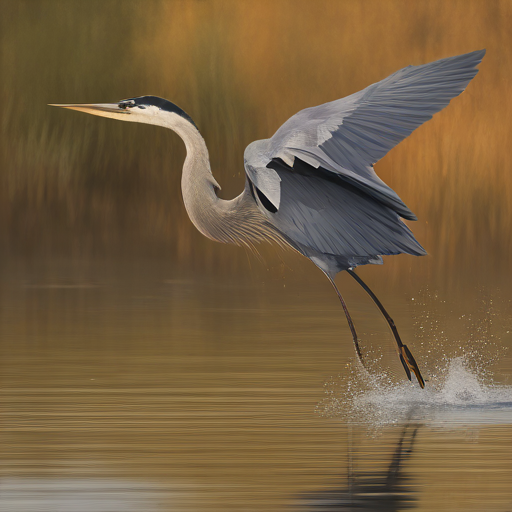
pixel 409 364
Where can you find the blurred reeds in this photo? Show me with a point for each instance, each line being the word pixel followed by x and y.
pixel 74 184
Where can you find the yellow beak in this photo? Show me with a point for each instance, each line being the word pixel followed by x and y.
pixel 111 110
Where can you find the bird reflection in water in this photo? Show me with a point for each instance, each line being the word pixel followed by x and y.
pixel 385 490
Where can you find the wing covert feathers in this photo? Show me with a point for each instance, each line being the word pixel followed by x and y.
pixel 347 136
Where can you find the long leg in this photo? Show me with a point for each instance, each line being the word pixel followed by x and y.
pixel 407 359
pixel 349 320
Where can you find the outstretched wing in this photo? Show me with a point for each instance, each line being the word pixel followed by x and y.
pixel 347 136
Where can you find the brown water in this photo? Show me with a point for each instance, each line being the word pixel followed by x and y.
pixel 145 368
pixel 129 388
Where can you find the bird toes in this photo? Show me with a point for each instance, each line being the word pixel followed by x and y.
pixel 409 363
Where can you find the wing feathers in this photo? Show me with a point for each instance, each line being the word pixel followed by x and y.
pixel 345 138
pixel 333 219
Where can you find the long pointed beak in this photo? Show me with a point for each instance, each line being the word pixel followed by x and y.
pixel 97 109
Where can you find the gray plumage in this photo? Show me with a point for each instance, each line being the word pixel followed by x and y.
pixel 344 138
pixel 312 185
pixel 322 217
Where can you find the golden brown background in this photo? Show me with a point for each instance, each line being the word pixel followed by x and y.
pixel 73 185
pixel 146 365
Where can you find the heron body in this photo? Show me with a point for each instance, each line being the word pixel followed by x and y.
pixel 312 186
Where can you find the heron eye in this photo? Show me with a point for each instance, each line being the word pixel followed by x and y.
pixel 126 104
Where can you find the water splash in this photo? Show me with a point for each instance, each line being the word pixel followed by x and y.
pixel 460 390
pixel 461 398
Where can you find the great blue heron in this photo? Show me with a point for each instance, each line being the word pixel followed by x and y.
pixel 312 186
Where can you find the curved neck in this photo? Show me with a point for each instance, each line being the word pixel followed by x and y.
pixel 236 221
pixel 198 185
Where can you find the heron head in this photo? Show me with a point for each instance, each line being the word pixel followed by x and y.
pixel 144 109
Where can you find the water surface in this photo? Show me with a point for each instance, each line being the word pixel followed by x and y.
pixel 148 391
